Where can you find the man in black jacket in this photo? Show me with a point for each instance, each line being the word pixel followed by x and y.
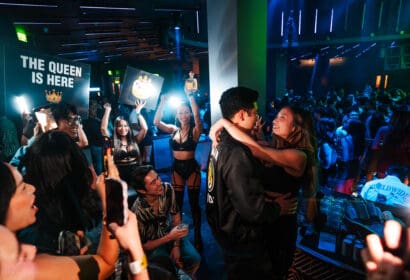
pixel 236 205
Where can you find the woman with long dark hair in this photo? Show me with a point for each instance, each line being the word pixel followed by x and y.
pixel 57 167
pixel 125 145
pixel 184 139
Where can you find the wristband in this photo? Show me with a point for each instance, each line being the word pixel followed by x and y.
pixel 191 95
pixel 139 265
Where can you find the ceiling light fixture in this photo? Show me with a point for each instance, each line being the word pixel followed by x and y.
pixel 197 21
pixel 126 47
pixel 106 8
pixel 144 52
pixel 112 41
pixel 28 5
pixel 74 44
pixel 79 52
pixel 102 33
pixel 112 55
pixel 99 22
pixel 35 23
pixel 80 59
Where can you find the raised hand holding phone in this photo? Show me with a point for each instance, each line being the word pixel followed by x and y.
pixel 116 190
pixel 116 199
pixel 113 190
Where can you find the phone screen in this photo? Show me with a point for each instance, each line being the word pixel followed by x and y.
pixel 116 193
pixel 46 119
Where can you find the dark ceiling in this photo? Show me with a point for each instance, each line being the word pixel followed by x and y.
pixel 127 31
pixel 110 31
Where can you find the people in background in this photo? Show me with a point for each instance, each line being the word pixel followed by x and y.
pixel 186 170
pixel 9 142
pixel 326 149
pixel 66 120
pixel 350 151
pixel 92 128
pixel 155 206
pixel 237 209
pixel 391 144
pixel 69 121
pixel 391 190
pixel 145 145
pixel 126 152
pixel 388 259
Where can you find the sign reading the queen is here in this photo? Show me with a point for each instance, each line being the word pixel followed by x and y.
pixel 42 79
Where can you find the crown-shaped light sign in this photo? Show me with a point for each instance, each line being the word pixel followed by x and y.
pixel 142 88
pixel 53 96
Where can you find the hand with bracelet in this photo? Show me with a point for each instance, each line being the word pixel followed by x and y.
pixel 127 235
pixel 129 239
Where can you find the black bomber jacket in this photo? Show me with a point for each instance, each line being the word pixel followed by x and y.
pixel 235 204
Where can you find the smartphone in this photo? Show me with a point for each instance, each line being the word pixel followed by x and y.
pixel 46 119
pixel 116 197
pixel 106 150
pixel 183 226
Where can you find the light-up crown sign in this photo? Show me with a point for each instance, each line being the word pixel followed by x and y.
pixel 142 88
pixel 54 96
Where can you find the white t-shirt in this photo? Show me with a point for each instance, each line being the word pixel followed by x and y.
pixel 389 190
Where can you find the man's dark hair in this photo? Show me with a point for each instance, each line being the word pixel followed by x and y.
pixel 138 175
pixel 62 110
pixel 235 99
pixel 400 171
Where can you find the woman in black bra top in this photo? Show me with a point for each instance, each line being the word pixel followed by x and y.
pixel 125 146
pixel 184 139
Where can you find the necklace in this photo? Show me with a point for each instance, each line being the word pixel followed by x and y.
pixel 183 134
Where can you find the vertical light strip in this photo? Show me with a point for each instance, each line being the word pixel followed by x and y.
pixel 386 80
pixel 363 14
pixel 300 22
pixel 398 16
pixel 346 17
pixel 197 21
pixel 281 26
pixel 331 21
pixel 316 12
pixel 378 81
pixel 379 24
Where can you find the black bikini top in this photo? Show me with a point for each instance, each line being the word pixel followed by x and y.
pixel 121 155
pixel 188 145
